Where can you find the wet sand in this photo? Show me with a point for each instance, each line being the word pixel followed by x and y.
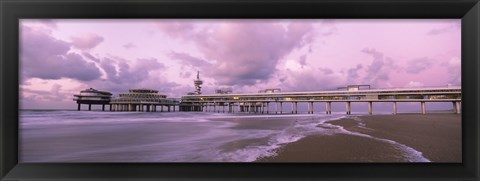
pixel 437 136
pixel 261 123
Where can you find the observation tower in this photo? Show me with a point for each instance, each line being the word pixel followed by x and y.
pixel 198 84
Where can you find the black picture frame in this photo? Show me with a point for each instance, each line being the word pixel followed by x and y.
pixel 13 10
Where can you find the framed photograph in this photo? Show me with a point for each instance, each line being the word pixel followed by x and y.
pixel 229 90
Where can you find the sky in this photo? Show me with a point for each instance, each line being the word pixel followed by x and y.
pixel 59 58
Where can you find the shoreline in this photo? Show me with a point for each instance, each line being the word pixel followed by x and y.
pixel 437 136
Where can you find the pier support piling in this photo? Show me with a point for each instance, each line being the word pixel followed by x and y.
pixel 308 107
pixel 268 107
pixel 276 107
pixel 328 107
pixel 296 108
pixel 394 107
pixel 423 107
pixel 281 108
pixel 262 108
pixel 348 108
pixel 457 108
pixel 293 107
pixel 311 107
pixel 370 107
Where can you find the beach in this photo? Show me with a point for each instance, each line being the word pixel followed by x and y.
pixel 73 136
pixel 381 138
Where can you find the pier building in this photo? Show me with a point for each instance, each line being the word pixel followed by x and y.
pixel 269 90
pixel 224 91
pixel 354 87
pixel 92 96
pixel 143 100
pixel 260 102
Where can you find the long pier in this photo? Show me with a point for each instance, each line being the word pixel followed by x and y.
pixel 260 102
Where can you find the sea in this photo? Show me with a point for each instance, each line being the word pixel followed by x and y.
pixel 103 136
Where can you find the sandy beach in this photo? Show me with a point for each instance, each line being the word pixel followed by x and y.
pixel 436 136
pixel 72 136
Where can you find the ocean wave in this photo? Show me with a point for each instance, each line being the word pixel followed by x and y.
pixel 409 153
pixel 300 129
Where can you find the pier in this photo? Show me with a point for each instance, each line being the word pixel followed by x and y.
pixel 92 97
pixel 149 100
pixel 260 102
pixel 140 100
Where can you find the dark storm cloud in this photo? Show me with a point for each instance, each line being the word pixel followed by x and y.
pixel 108 65
pixel 245 53
pixel 187 59
pixel 118 71
pixel 377 64
pixel 45 57
pixel 352 73
pixel 418 65
pixel 326 71
pixel 90 57
pixel 379 69
pixel 303 60
pixel 120 76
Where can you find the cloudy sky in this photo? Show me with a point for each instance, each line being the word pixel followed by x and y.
pixel 58 58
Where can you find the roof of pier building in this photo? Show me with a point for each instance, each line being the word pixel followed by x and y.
pixel 143 91
pixel 93 92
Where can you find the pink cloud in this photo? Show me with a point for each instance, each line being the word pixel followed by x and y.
pixel 129 45
pixel 86 41
pixel 245 51
pixel 46 57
